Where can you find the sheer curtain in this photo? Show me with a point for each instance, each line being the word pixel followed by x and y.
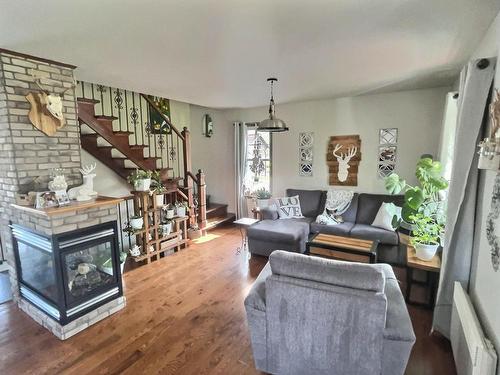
pixel 475 85
pixel 240 157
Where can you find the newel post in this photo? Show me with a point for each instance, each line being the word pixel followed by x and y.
pixel 202 199
pixel 188 182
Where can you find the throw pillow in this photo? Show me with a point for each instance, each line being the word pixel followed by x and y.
pixel 385 214
pixel 289 207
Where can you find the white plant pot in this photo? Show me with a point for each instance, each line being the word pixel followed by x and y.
pixel 137 223
pixel 263 203
pixel 169 213
pixel 166 229
pixel 142 185
pixel 425 252
pixel 159 200
pixel 181 211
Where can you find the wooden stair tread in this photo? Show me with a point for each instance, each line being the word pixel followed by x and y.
pixel 122 132
pixel 215 206
pixel 220 220
pixel 104 117
pixel 87 100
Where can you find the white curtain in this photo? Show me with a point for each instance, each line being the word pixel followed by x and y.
pixel 475 85
pixel 240 155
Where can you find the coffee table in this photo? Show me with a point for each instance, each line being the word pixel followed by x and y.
pixel 342 248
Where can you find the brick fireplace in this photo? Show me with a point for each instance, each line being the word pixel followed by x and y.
pixel 27 154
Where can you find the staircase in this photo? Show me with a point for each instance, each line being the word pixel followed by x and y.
pixel 115 128
pixel 102 126
pixel 217 216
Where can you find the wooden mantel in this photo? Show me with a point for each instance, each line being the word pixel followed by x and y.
pixel 73 206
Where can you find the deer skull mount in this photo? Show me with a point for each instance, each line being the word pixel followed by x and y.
pixel 46 113
pixel 343 158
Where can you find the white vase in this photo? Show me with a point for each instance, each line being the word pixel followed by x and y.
pixel 137 223
pixel 142 185
pixel 169 213
pixel 159 200
pixel 181 211
pixel 425 252
pixel 262 203
pixel 166 229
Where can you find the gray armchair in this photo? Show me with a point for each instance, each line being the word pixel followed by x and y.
pixel 310 315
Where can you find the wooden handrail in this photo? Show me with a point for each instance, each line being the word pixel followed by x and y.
pixel 163 116
pixel 190 174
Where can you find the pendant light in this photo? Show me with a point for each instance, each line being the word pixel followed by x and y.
pixel 272 124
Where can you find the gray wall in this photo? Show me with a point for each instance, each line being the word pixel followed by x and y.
pixel 485 282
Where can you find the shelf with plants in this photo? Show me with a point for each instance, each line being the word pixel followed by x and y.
pixel 159 223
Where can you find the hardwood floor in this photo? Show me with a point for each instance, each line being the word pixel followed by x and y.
pixel 184 315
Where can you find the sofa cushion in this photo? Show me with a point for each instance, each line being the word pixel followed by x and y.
pixel 350 214
pixel 289 207
pixel 288 231
pixel 368 232
pixel 343 274
pixel 312 202
pixel 385 216
pixel 369 204
pixel 337 230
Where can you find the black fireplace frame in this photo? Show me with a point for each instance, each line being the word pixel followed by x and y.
pixel 63 304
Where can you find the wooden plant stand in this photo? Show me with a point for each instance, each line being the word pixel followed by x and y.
pixel 156 245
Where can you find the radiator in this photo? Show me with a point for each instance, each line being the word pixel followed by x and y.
pixel 473 352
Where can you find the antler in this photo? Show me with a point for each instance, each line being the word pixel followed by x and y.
pixel 338 146
pixel 38 83
pixel 87 169
pixel 351 152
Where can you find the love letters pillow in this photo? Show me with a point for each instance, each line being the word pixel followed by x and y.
pixel 289 207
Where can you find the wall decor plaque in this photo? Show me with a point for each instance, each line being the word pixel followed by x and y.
pixel 343 158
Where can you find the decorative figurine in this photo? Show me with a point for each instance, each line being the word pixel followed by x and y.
pixel 86 191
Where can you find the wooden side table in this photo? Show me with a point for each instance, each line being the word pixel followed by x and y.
pixel 432 269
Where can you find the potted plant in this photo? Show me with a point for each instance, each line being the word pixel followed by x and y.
pixel 423 199
pixel 426 236
pixel 166 227
pixel 157 188
pixel 169 211
pixel 140 180
pixel 263 195
pixel 194 232
pixel 136 222
pixel 181 208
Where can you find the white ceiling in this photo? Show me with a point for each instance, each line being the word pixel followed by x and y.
pixel 218 53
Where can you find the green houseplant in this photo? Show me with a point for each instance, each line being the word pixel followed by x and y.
pixel 140 180
pixel 157 188
pixel 426 235
pixel 423 211
pixel 262 195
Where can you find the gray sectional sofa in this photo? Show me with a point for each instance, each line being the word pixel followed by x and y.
pixel 272 233
pixel 309 315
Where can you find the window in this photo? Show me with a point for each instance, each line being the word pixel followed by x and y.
pixel 258 168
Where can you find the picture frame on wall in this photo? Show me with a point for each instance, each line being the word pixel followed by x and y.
pixel 388 136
